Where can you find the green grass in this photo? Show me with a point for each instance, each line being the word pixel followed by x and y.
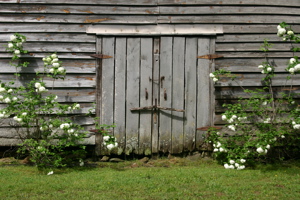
pixel 161 179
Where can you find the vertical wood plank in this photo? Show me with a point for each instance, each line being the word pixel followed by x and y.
pixel 178 94
pixel 203 96
pixel 166 61
pixel 132 94
pixel 120 92
pixel 146 96
pixel 107 104
pixel 155 99
pixel 98 137
pixel 190 93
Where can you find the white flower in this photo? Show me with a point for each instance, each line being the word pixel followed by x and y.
pixel 10 45
pixel 231 167
pixel 218 133
pixel 297 67
pixel 263 71
pixel 281 32
pixel 292 60
pixel 269 69
pixel 266 151
pixel 260 66
pixel 279 27
pixel 242 160
pixel 19 44
pixel 233 117
pixel 10 91
pixel 54 60
pixel 14 98
pixel 241 167
pixel 293 122
pixel 259 150
pixel 54 56
pixel 268 146
pixel 211 75
pixel 2 89
pixel 1 97
pixel 65 125
pixel 264 103
pixel 116 144
pixel 216 150
pixel 81 163
pixel 215 79
pixel 17 119
pixel 284 39
pixel 42 89
pixel 51 70
pixel 48 59
pixel 17 52
pixel 224 117
pixel 231 127
pixel 267 120
pixel 292 102
pixel 236 165
pixel 50 173
pixel 77 106
pixel 296 126
pixel 61 69
pixel 226 166
pixel 110 146
pixel 292 70
pixel 55 64
pixel 71 131
pixel 106 138
pixel 231 162
pixel 13 38
pixel 221 149
pixel 7 100
pixel 37 85
pixel 290 33
pixel 218 144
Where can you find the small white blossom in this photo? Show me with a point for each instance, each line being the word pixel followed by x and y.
pixel 37 85
pixel 51 70
pixel 260 66
pixel 279 27
pixel 19 44
pixel 260 150
pixel 2 90
pixel 55 60
pixel 268 120
pixel 242 160
pixel 16 118
pixel 50 173
pixel 231 127
pixel 264 103
pixel 221 149
pixel 211 75
pixel 116 144
pixel 236 165
pixel 77 106
pixel 10 45
pixel 216 150
pixel 297 67
pixel 241 167
pixel 110 146
pixel 268 146
pixel 9 91
pixel 42 89
pixel 282 136
pixel 263 71
pixel 292 70
pixel 233 117
pixel 55 64
pixel 292 60
pixel 13 38
pixel 269 69
pixel 106 138
pixel 215 79
pixel 17 52
pixel 218 144
pixel 81 163
pixel 54 56
pixel 281 32
pixel 296 126
pixel 7 100
pixel 231 162
pixel 15 99
pixel 65 125
pixel 224 117
pixel 290 32
pixel 231 167
pixel 71 131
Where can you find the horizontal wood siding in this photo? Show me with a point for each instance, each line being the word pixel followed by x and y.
pixel 60 26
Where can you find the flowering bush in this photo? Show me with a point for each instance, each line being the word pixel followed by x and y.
pixel 265 125
pixel 51 139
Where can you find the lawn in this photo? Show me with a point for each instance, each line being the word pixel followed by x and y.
pixel 175 178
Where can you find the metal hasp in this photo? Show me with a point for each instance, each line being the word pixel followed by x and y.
pixel 210 56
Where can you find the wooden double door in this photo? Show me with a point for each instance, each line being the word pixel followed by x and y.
pixel 155 90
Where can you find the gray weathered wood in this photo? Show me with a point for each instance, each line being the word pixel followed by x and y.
pixel 107 78
pixel 132 94
pixel 203 90
pixel 252 46
pixel 92 2
pixel 120 92
pixel 146 95
pixel 190 93
pixel 165 129
pixel 178 94
pixel 155 98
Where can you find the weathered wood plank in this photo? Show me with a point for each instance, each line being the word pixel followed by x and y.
pixel 55 47
pixel 256 80
pixel 109 2
pixel 107 91
pixel 223 9
pixel 228 19
pixel 165 128
pixel 233 93
pixel 73 55
pixel 190 107
pixel 132 94
pixel 72 66
pixel 120 92
pixel 229 2
pixel 79 9
pixel 253 46
pixel 155 98
pixel 178 94
pixel 254 37
pixel 74 95
pixel 250 64
pixel 256 28
pixel 256 54
pixel 75 18
pixel 71 81
pixel 53 37
pixel 146 95
pixel 203 90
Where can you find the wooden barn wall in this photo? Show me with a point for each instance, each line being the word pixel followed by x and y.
pixel 60 26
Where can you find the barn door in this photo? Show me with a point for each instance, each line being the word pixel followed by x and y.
pixel 155 90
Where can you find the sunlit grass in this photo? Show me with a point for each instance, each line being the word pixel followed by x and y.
pixel 161 179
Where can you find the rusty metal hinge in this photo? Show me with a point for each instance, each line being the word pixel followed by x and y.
pixel 101 56
pixel 210 56
pixel 206 128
